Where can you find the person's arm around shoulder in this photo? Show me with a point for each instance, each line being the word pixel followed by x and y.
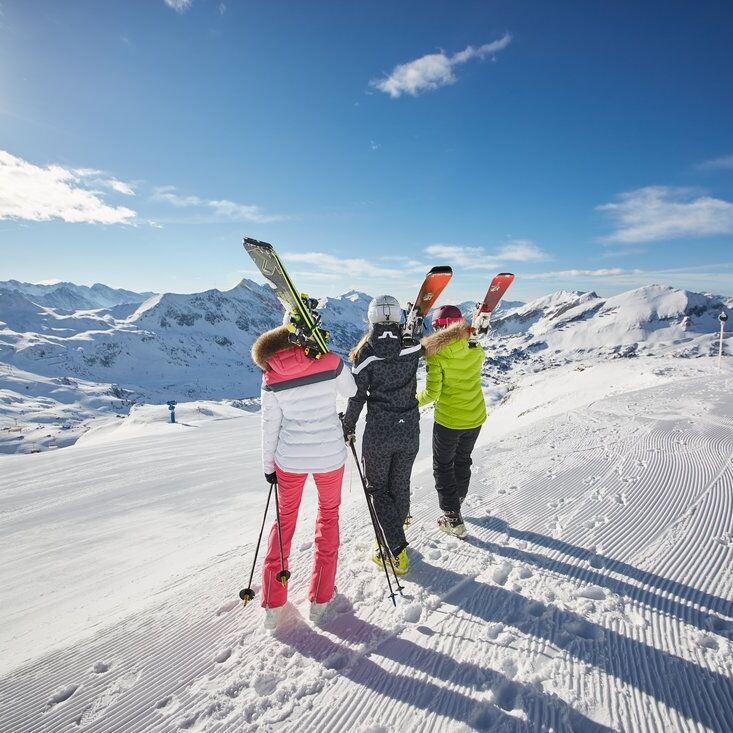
pixel 272 416
pixel 434 383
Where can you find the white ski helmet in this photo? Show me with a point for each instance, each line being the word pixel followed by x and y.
pixel 384 309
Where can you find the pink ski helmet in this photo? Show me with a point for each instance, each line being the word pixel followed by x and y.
pixel 445 315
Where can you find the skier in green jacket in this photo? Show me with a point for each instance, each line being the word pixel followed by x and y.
pixel 454 384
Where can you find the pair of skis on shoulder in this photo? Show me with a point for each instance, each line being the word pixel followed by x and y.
pixel 305 322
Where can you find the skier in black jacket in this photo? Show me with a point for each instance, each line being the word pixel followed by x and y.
pixel 385 371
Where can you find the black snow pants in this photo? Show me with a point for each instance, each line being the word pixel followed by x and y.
pixel 388 452
pixel 452 464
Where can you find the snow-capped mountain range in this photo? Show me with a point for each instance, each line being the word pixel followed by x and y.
pixel 60 365
pixel 71 297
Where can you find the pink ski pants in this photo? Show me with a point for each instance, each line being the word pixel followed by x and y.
pixel 323 574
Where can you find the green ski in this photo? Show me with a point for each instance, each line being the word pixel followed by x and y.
pixel 304 320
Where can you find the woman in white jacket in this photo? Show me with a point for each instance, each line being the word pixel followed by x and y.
pixel 301 435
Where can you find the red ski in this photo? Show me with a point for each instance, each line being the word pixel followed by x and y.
pixel 433 285
pixel 494 294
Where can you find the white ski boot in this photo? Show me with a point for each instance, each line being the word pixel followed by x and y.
pixel 272 617
pixel 321 613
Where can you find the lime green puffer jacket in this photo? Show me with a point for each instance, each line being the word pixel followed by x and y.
pixel 454 378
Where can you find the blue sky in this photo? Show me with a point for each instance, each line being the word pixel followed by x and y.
pixel 579 145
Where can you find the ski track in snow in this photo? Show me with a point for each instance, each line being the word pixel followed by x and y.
pixel 594 593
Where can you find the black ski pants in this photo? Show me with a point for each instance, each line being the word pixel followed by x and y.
pixel 388 455
pixel 452 464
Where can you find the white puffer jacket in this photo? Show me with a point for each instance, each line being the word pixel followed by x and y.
pixel 301 431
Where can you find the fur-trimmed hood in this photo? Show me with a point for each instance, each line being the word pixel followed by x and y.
pixel 443 337
pixel 268 344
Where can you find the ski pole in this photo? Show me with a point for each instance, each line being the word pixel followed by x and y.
pixel 384 552
pixel 284 575
pixel 247 594
pixel 378 531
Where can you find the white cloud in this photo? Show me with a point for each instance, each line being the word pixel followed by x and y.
pixel 475 258
pixel 223 208
pixel 521 250
pixel 119 186
pixel 180 6
pixel 664 212
pixel 96 177
pixel 602 273
pixel 222 8
pixel 345 267
pixel 33 193
pixel 433 70
pixel 717 164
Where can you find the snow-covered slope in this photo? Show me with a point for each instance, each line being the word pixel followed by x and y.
pixel 594 593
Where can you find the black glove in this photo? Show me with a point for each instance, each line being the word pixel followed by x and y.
pixel 271 478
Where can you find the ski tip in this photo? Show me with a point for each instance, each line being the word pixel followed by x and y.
pixel 441 270
pixel 250 242
pixel 506 274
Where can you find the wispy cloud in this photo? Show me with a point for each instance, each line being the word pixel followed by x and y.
pixel 222 208
pixel 328 264
pixel 100 178
pixel 433 70
pixel 725 163
pixel 476 258
pixel 521 250
pixel 180 6
pixel 664 212
pixel 34 193
pixel 603 273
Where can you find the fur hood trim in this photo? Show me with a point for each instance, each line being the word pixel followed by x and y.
pixel 268 344
pixel 445 337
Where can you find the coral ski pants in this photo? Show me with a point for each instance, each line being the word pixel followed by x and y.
pixel 323 574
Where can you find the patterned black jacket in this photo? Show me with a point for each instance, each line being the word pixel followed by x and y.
pixel 386 379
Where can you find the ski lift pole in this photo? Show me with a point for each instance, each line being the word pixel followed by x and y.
pixel 723 317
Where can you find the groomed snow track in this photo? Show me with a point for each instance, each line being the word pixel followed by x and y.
pixel 594 593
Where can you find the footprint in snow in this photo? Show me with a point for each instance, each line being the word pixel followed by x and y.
pixel 265 685
pixel 222 656
pixel 228 606
pixel 593 593
pixel 584 630
pixel 597 521
pixel 707 642
pixel 100 668
pixel 164 702
pixel 501 574
pixel 108 697
pixel 61 695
